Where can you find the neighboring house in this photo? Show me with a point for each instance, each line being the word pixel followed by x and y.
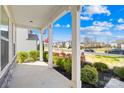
pixel 114 45
pixel 122 46
pixel 68 44
pixel 26 40
pixel 64 44
pixel 118 44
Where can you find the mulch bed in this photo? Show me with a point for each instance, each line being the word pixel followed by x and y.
pixel 63 72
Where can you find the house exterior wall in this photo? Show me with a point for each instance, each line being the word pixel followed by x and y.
pixel 6 71
pixel 22 43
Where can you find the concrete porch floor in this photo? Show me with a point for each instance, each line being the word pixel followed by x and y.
pixel 37 75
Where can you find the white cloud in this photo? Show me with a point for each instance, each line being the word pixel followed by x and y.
pixel 120 20
pixel 97 26
pixel 110 19
pixel 57 25
pixel 97 9
pixel 119 27
pixel 108 33
pixel 119 36
pixel 68 25
pixel 85 18
pixel 63 26
pixel 103 24
pixel 93 29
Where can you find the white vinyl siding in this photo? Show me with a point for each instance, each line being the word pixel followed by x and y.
pixel 22 43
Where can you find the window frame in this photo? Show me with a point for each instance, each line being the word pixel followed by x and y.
pixel 0 39
pixel 5 39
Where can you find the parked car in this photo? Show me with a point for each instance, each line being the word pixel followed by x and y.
pixel 88 50
pixel 115 51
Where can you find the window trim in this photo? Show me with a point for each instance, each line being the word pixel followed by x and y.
pixel 5 39
pixel 0 41
pixel 0 52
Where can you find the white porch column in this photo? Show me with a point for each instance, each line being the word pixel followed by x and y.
pixel 76 80
pixel 50 55
pixel 41 46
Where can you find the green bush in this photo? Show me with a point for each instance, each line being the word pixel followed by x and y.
pixel 86 63
pixel 67 65
pixel 101 66
pixel 45 56
pixel 34 54
pixel 29 60
pixel 60 62
pixel 55 58
pixel 21 56
pixel 119 71
pixel 89 74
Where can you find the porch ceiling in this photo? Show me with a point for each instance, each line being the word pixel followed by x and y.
pixel 40 15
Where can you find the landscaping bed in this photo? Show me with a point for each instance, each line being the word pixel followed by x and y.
pixel 104 78
pixel 93 75
pixel 63 72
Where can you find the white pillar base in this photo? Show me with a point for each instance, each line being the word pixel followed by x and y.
pixel 75 84
pixel 41 60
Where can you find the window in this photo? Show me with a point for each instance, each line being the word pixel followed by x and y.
pixel 4 53
pixel 4 23
pixel 4 32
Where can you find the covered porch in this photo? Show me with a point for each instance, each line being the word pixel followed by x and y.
pixel 37 75
pixel 42 17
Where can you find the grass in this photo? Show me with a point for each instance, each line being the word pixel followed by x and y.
pixel 101 50
pixel 111 61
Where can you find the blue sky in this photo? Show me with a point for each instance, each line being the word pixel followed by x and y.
pixel 102 23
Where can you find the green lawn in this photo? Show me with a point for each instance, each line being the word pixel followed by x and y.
pixel 111 61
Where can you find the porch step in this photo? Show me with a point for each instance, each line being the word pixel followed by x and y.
pixel 115 83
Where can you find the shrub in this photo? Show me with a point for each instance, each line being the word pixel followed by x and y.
pixel 89 74
pixel 86 63
pixel 34 55
pixel 67 65
pixel 55 58
pixel 60 62
pixel 29 60
pixel 119 71
pixel 45 56
pixel 21 56
pixel 101 66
